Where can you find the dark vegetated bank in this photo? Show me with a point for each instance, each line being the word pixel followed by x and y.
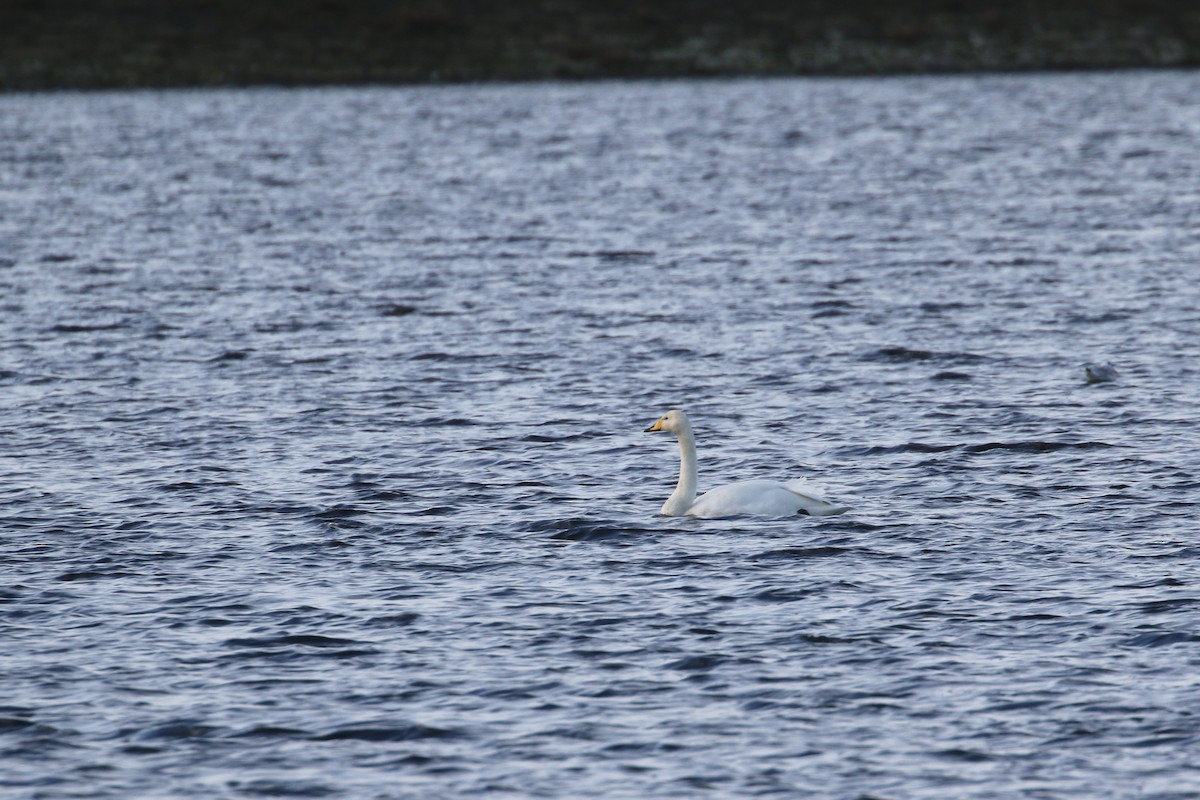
pixel 155 43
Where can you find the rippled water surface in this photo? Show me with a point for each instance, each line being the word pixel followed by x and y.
pixel 323 474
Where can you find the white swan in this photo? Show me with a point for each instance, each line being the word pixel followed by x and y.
pixel 767 498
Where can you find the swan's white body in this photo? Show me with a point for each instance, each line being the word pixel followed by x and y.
pixel 766 498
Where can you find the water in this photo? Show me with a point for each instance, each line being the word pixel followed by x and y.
pixel 323 472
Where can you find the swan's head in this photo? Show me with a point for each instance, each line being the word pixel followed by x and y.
pixel 674 421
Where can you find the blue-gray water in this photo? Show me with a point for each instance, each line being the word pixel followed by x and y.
pixel 322 470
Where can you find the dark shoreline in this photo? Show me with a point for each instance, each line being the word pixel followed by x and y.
pixel 76 44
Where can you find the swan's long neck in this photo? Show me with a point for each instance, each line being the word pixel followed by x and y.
pixel 685 491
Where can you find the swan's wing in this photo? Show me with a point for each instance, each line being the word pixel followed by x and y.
pixel 813 500
pixel 767 498
pixel 806 490
pixel 744 497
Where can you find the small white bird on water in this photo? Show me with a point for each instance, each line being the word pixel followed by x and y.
pixel 1100 373
pixel 762 497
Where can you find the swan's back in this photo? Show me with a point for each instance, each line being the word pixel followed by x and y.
pixel 764 498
